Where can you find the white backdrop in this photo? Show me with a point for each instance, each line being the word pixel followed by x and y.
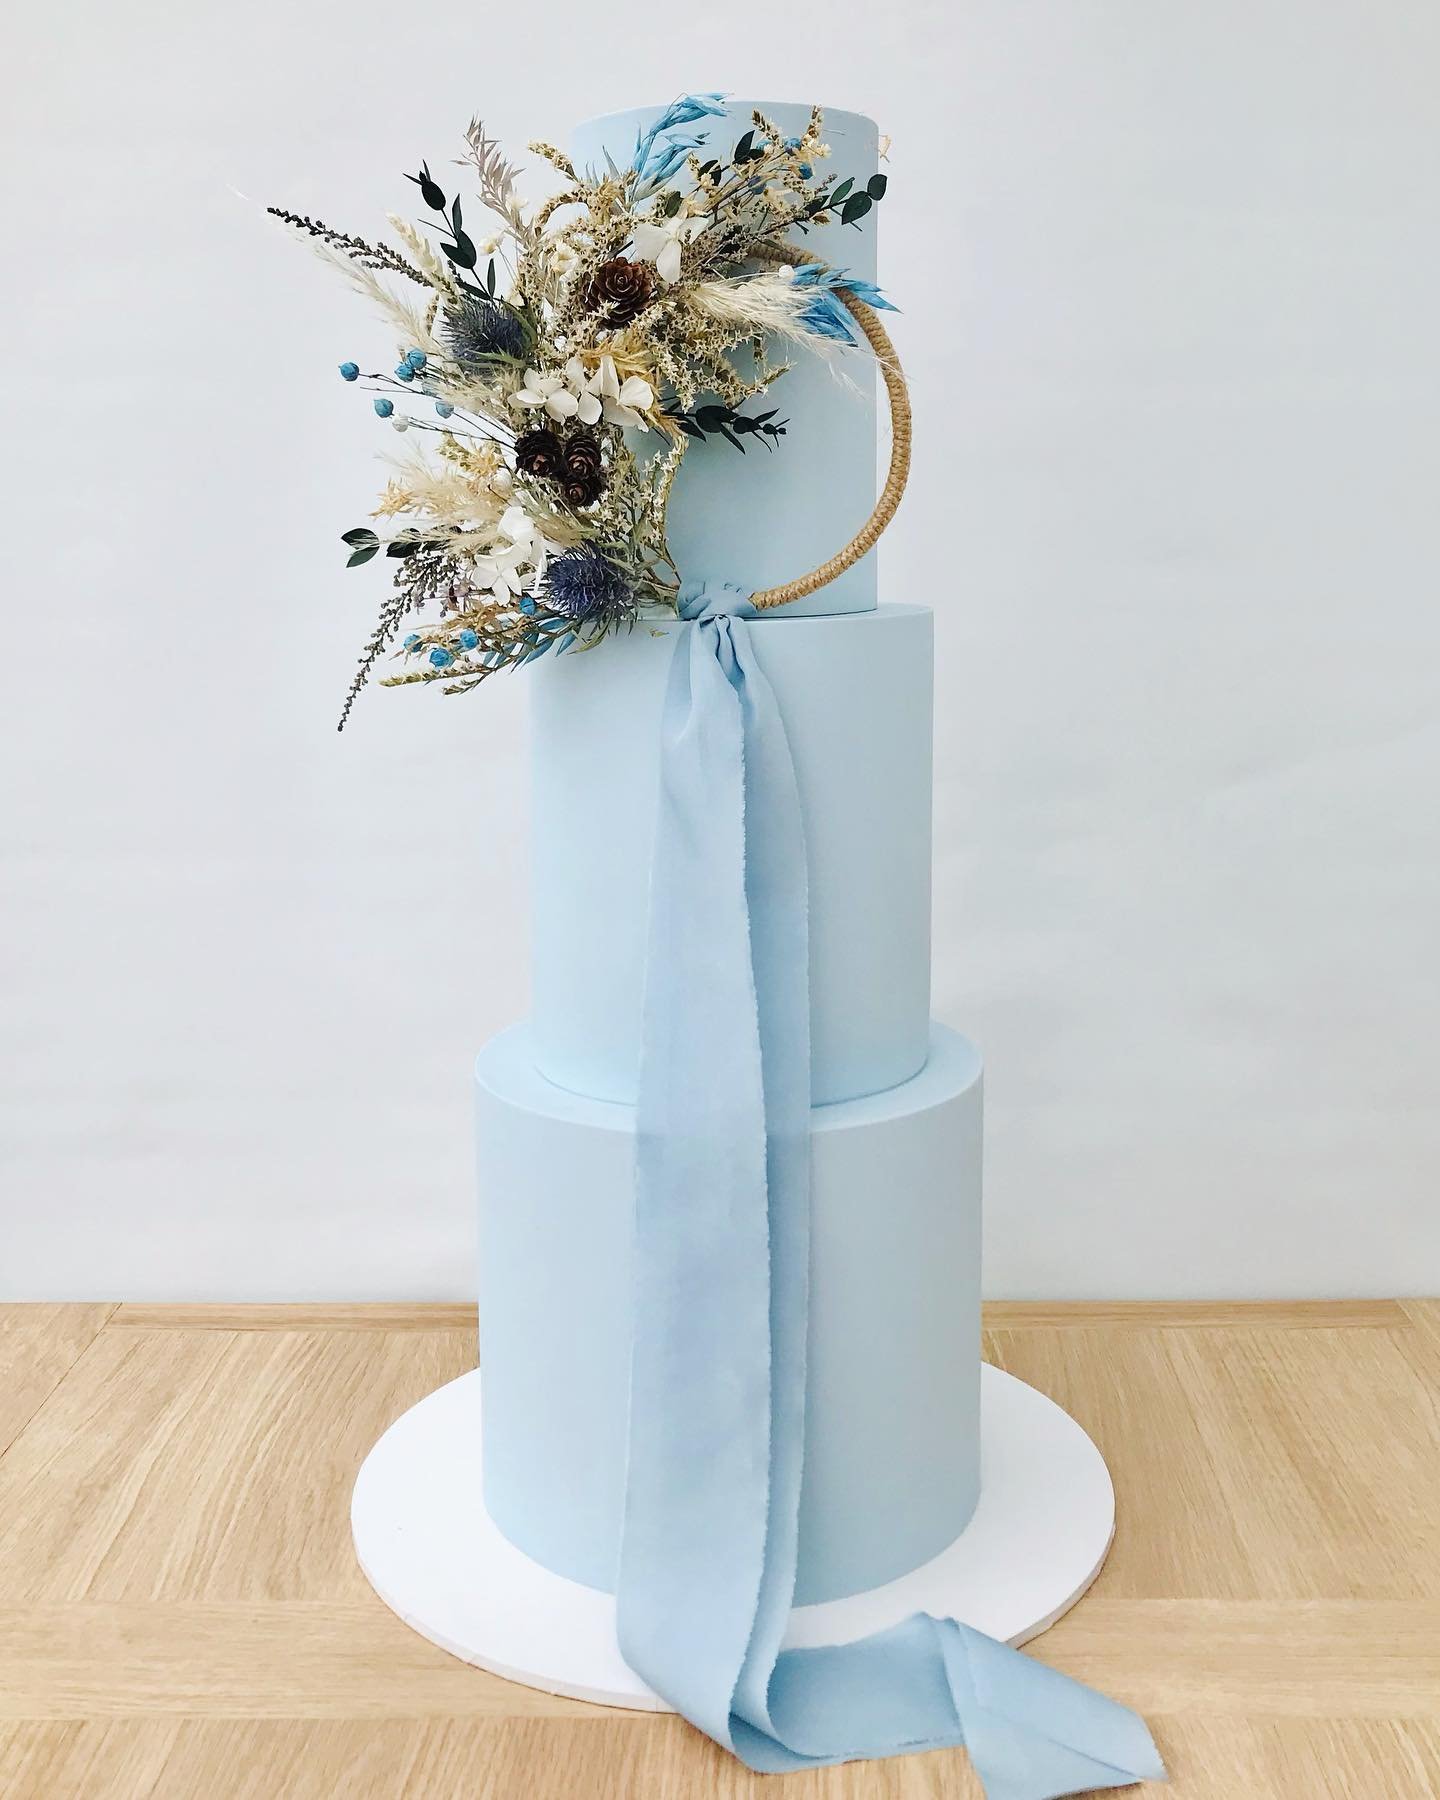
pixel 1171 283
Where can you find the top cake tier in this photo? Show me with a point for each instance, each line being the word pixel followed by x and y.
pixel 762 519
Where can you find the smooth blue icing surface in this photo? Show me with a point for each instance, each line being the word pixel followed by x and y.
pixel 892 1428
pixel 762 519
pixel 855 691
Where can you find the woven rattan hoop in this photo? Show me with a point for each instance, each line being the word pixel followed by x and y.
pixel 899 472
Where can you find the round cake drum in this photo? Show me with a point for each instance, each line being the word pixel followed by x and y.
pixel 1037 1540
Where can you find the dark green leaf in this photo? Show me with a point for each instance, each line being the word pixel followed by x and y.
pixel 745 149
pixel 838 193
pixel 730 438
pixel 430 192
pixel 854 208
pixel 356 557
pixel 876 185
pixel 672 203
pixel 490 279
pixel 455 221
pixel 362 534
pixel 462 252
pixel 690 428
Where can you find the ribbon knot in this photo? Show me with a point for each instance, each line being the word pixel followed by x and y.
pixel 721 1302
pixel 713 600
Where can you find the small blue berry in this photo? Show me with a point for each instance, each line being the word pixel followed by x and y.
pixel 403 372
pixel 440 658
pixel 468 639
pixel 415 358
pixel 384 408
pixel 444 408
pixel 805 171
pixel 350 371
pixel 792 143
pixel 527 604
pixel 412 640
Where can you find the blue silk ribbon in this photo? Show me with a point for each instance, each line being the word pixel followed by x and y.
pixel 721 1256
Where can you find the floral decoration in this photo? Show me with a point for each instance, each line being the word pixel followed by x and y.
pixel 557 369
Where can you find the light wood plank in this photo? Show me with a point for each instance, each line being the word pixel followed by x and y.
pixel 1297 1659
pixel 207 1464
pixel 369 1315
pixel 91 1759
pixel 1424 1315
pixel 624 1758
pixel 600 1757
pixel 316 1660
pixel 39 1345
pixel 1196 1315
pixel 1253 1465
pixel 94 1659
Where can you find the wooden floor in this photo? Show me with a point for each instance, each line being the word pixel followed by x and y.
pixel 180 1615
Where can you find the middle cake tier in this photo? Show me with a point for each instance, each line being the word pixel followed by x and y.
pixel 855 693
pixel 891 1456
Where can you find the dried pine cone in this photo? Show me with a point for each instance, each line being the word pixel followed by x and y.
pixel 620 289
pixel 582 490
pixel 582 454
pixel 582 479
pixel 540 453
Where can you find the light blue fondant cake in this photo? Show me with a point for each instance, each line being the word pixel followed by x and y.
pixel 891 1452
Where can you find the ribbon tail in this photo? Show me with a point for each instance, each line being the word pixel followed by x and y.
pixel 693 1538
pixel 1033 1733
pixel 721 1306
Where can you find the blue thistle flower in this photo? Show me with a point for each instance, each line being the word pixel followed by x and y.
pixel 483 329
pixel 586 584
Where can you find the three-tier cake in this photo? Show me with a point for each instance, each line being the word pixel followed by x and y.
pixel 491 1516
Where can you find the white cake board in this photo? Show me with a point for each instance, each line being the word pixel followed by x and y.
pixel 425 1542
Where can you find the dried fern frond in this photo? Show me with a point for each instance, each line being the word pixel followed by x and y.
pixel 497 178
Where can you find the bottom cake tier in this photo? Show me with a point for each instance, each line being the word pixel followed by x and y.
pixel 892 1465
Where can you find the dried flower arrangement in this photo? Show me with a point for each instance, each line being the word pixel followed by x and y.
pixel 647 300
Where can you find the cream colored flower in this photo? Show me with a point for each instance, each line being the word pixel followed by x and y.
pixel 661 242
pixel 549 391
pixel 517 559
pixel 623 402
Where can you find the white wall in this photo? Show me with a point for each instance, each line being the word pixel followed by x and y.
pixel 1171 278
